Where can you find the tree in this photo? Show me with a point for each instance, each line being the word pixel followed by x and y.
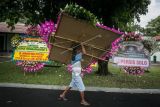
pixel 133 27
pixel 153 27
pixel 114 13
pixel 151 45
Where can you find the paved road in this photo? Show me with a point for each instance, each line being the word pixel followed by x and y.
pixel 24 97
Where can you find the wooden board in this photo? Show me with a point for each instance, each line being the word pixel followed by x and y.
pixel 97 41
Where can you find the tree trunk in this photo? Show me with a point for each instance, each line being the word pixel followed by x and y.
pixel 103 67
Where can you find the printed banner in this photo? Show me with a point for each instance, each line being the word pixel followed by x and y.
pixel 121 61
pixel 31 49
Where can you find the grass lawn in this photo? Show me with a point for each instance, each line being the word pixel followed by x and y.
pixel 10 73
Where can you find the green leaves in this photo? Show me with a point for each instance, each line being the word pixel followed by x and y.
pixel 115 13
pixel 151 45
pixel 81 13
pixel 153 28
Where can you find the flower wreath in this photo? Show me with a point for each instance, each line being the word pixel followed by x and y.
pixel 115 46
pixel 44 31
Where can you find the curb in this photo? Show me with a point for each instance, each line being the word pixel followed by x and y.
pixel 57 87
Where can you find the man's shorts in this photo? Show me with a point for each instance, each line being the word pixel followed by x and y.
pixel 77 83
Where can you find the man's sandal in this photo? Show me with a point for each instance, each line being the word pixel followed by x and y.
pixel 85 103
pixel 62 98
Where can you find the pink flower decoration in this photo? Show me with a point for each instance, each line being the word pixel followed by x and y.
pixel 45 29
pixel 108 28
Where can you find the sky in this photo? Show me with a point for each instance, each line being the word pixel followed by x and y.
pixel 153 12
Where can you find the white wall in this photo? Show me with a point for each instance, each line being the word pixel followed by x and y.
pixel 157 54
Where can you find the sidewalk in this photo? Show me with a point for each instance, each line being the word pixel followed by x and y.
pixel 104 89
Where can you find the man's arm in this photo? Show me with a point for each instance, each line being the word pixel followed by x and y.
pixel 83 49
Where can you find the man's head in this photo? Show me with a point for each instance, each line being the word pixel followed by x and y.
pixel 79 49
